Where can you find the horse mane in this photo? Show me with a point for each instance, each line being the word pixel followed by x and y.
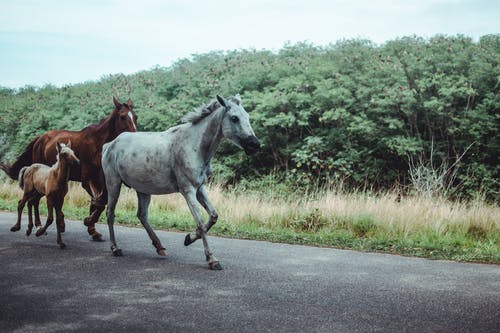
pixel 100 123
pixel 201 112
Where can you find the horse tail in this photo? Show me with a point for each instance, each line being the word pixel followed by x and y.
pixel 5 169
pixel 21 177
pixel 23 160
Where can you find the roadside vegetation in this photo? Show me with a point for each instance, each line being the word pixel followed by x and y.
pixel 352 112
pixel 411 225
pixel 391 147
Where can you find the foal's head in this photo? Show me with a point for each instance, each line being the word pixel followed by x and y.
pixel 236 124
pixel 124 117
pixel 65 154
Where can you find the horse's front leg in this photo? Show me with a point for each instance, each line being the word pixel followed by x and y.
pixel 36 208
pixel 142 213
pixel 201 231
pixel 50 218
pixel 201 196
pixel 98 202
pixel 60 223
pixel 90 220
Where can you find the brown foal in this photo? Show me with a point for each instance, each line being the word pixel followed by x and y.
pixel 40 180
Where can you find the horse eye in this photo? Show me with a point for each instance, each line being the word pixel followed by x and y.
pixel 234 119
pixel 123 117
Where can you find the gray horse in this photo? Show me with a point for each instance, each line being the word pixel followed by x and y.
pixel 176 160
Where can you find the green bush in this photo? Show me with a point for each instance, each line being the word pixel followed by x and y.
pixel 351 111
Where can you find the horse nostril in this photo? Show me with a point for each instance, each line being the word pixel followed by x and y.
pixel 251 144
pixel 254 142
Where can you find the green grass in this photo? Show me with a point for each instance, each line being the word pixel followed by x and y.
pixel 436 228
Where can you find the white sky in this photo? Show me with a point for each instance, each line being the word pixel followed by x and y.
pixel 68 41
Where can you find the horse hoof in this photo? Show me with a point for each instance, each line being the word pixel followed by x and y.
pixel 187 240
pixel 28 232
pixel 215 266
pixel 162 253
pixel 15 228
pixel 117 252
pixel 40 232
pixel 62 246
pixel 97 237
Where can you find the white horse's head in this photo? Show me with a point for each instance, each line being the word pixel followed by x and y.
pixel 236 125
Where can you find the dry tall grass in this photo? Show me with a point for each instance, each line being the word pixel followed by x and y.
pixel 399 215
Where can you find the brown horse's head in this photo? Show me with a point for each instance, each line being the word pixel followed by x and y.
pixel 124 117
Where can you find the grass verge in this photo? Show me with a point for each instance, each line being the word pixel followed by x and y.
pixel 413 226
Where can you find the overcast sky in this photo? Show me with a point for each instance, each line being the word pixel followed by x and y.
pixel 68 41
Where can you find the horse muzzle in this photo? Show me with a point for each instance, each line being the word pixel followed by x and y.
pixel 250 144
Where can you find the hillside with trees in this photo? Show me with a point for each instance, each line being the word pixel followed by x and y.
pixel 416 114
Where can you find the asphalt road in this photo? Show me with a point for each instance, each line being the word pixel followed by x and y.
pixel 264 287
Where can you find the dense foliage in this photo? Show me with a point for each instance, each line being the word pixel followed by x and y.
pixel 353 111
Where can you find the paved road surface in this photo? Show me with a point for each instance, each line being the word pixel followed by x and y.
pixel 264 287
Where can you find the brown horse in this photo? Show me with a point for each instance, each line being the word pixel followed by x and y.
pixel 39 180
pixel 87 145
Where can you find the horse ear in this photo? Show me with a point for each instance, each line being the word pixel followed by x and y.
pixel 237 99
pixel 130 103
pixel 118 105
pixel 221 100
pixel 68 144
pixel 58 147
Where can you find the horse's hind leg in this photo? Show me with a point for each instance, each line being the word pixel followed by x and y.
pixel 142 214
pixel 36 206
pixel 113 194
pixel 192 202
pixel 30 199
pixel 20 207
pixel 30 218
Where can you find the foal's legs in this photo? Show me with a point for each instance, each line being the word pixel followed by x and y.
pixel 142 213
pixel 34 203
pixel 50 218
pixel 59 222
pixel 20 206
pixel 192 202
pixel 30 218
